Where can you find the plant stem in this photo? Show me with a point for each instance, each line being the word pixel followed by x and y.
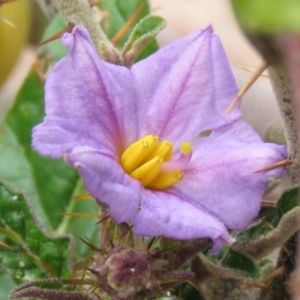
pixel 79 12
pixel 273 49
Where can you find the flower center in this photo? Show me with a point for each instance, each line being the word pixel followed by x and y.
pixel 148 160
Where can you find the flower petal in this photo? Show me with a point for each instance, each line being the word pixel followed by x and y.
pixel 56 136
pixel 91 92
pixel 107 182
pixel 185 88
pixel 163 213
pixel 221 176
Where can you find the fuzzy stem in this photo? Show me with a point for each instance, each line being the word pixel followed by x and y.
pixel 281 85
pixel 53 294
pixel 273 50
pixel 79 12
pixel 292 51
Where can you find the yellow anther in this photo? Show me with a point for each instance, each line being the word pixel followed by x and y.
pixel 148 171
pixel 148 161
pixel 136 152
pixel 165 180
pixel 186 148
pixel 164 150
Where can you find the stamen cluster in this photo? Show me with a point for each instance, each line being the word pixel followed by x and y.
pixel 145 160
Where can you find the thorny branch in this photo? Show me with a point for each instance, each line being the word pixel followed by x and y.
pixel 273 50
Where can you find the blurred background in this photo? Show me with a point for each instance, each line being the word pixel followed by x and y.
pixel 18 47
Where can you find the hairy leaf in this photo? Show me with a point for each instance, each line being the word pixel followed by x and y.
pixel 185 291
pixel 241 264
pixel 117 12
pixel 288 200
pixel 143 33
pixel 32 254
pixel 49 183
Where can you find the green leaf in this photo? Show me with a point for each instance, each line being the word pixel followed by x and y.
pixel 268 16
pixel 241 264
pixel 148 26
pixel 49 183
pixel 254 232
pixel 118 12
pixel 33 254
pixel 81 227
pixel 190 293
pixel 54 48
pixel 185 291
pixel 288 200
pixel 142 34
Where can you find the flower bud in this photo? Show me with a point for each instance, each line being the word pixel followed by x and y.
pixel 127 269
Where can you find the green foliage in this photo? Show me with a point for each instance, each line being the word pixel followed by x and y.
pixel 81 227
pixel 49 183
pixel 185 291
pixel 32 253
pixel 150 25
pixel 255 231
pixel 268 16
pixel 188 292
pixel 241 264
pixel 288 200
pixel 118 12
pixel 143 33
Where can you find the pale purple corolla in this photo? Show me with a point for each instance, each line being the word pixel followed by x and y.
pixel 95 110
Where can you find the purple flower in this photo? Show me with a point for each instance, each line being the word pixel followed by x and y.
pixel 133 134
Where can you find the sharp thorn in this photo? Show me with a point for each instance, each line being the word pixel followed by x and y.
pixel 93 271
pixel 103 219
pixel 151 243
pixel 120 34
pixel 111 243
pixel 59 34
pixel 278 272
pixel 279 164
pixel 86 196
pixel 268 203
pixel 248 84
pixel 81 215
pixel 5 245
pixel 126 232
pixel 252 71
